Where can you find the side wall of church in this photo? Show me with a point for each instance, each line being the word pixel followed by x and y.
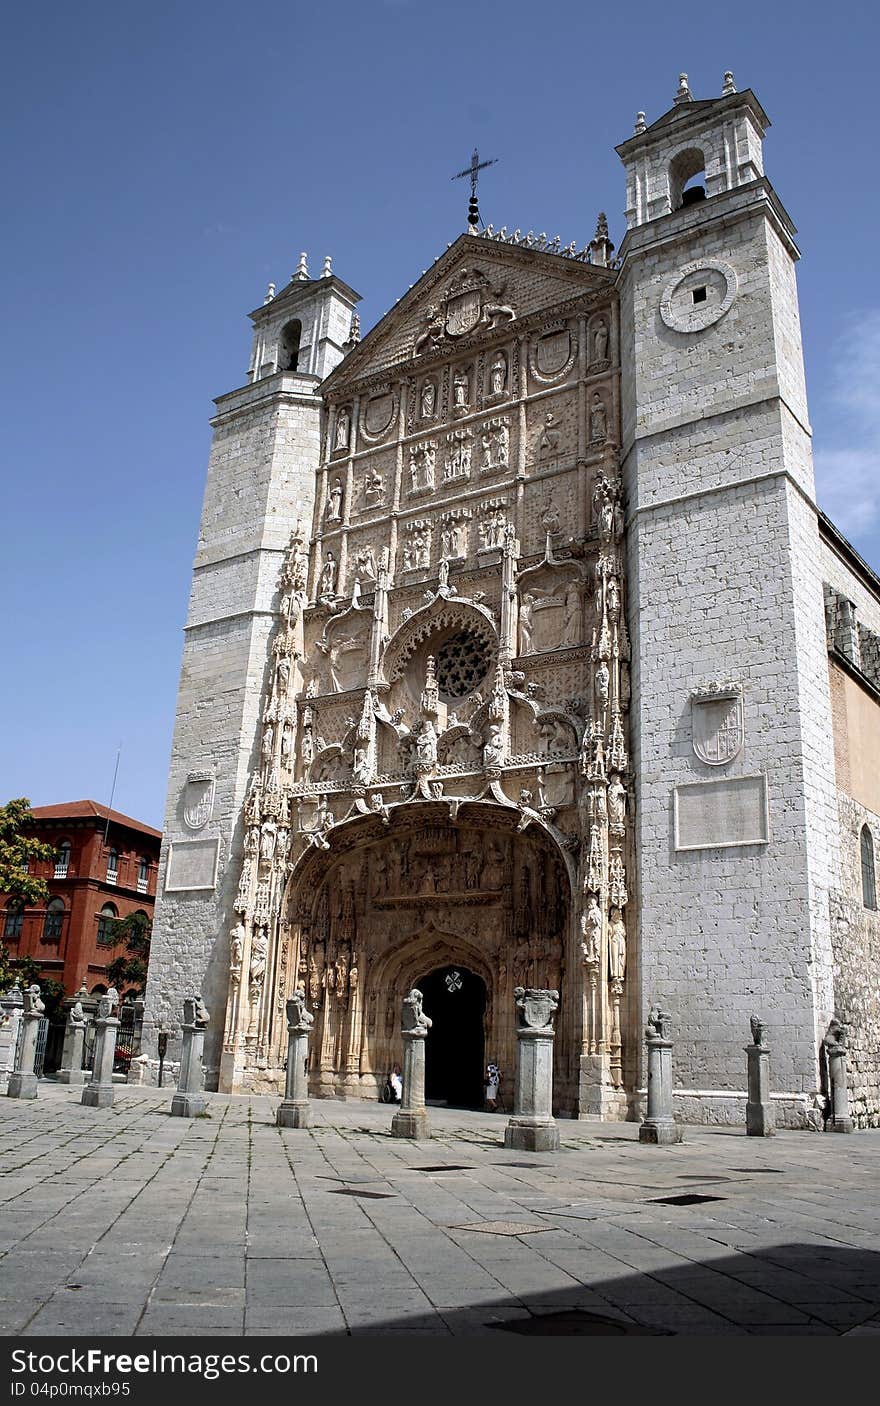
pixel 260 478
pixel 726 590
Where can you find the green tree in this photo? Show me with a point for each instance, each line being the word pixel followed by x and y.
pixel 17 851
pixel 129 969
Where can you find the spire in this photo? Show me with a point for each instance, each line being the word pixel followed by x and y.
pixel 326 270
pixel 684 94
pixel 270 294
pixel 302 268
pixel 641 126
pixel 601 247
pixel 729 85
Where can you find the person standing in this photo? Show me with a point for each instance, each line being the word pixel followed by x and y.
pixel 493 1083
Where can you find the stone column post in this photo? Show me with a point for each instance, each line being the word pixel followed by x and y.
pixel 71 1071
pixel 760 1114
pixel 23 1080
pixel 411 1120
pixel 189 1100
pixel 835 1051
pixel 659 1125
pixel 11 1006
pixel 532 1127
pixel 294 1110
pixel 99 1092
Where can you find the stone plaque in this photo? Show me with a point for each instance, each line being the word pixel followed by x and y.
pixel 727 812
pixel 192 864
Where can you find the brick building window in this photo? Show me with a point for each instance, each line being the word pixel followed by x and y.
pixel 143 874
pixel 107 925
pixel 869 881
pixel 112 866
pixel 14 918
pixel 54 919
pixel 62 860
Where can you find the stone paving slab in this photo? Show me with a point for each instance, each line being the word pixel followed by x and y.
pixel 125 1222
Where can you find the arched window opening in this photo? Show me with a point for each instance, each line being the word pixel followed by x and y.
pixel 686 175
pixel 112 866
pixel 14 919
pixel 107 924
pixel 869 881
pixel 143 879
pixel 62 860
pixel 53 920
pixel 288 351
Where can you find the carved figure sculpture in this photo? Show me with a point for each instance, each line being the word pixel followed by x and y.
pixel 460 389
pixel 657 1027
pixel 571 627
pixel 328 576
pixel 343 429
pixel 259 951
pixel 414 1020
pixel 616 803
pixel 493 751
pixel 298 1013
pixel 428 400
pixel 498 374
pixel 616 946
pixel 526 624
pixel 600 342
pixel 365 563
pixel 598 421
pixel 333 510
pixel 757 1029
pixel 591 930
pixel 236 950
pixel 374 488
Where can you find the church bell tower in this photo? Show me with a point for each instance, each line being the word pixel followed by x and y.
pixel 735 824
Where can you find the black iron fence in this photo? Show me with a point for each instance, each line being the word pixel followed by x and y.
pixel 128 1036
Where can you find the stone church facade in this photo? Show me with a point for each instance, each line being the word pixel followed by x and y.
pixel 518 654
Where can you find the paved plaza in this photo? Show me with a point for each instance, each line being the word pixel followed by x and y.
pixel 129 1222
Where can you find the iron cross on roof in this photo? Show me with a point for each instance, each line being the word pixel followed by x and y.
pixel 475 167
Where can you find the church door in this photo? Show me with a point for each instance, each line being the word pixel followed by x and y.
pixel 455 1057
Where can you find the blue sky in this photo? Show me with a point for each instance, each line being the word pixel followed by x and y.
pixel 162 163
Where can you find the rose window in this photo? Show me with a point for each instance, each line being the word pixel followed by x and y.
pixel 462 663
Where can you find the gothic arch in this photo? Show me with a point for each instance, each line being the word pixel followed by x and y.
pixel 443 613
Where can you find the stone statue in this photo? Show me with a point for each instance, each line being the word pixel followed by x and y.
pixel 298 1013
pixel 571 628
pixel 591 930
pixel 600 342
pixel 617 946
pixel 616 803
pixel 834 1040
pixel 603 681
pixel 493 751
pixel 429 399
pixel 268 739
pixel 365 562
pixel 598 421
pixel 236 950
pixel 328 576
pixel 426 744
pixel 374 487
pixel 498 374
pixel 537 1006
pixel 77 1016
pixel 33 1004
pixel 525 624
pixel 460 390
pixel 343 429
pixel 202 1015
pixel 657 1027
pixel 757 1029
pixel 259 951
pixel 333 510
pixel 414 1019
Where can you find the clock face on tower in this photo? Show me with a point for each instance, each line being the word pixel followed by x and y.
pixel 699 295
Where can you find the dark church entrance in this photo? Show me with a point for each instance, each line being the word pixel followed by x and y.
pixel 455 999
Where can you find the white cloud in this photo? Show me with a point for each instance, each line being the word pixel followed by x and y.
pixel 848 461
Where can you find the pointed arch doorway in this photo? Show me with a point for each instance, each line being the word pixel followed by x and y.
pixel 455 1055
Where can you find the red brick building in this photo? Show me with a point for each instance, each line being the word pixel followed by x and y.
pixel 102 871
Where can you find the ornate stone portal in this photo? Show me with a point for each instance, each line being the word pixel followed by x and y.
pixel 443 773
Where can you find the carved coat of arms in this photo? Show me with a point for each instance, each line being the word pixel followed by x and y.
pixel 198 799
pixel 471 301
pixel 717 723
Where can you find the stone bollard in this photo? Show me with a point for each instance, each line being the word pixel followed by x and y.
pixel 834 1044
pixel 760 1114
pixel 532 1127
pixel 411 1120
pixel 189 1100
pixel 11 1006
pixel 23 1080
pixel 659 1126
pixel 71 1071
pixel 294 1110
pixel 98 1093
